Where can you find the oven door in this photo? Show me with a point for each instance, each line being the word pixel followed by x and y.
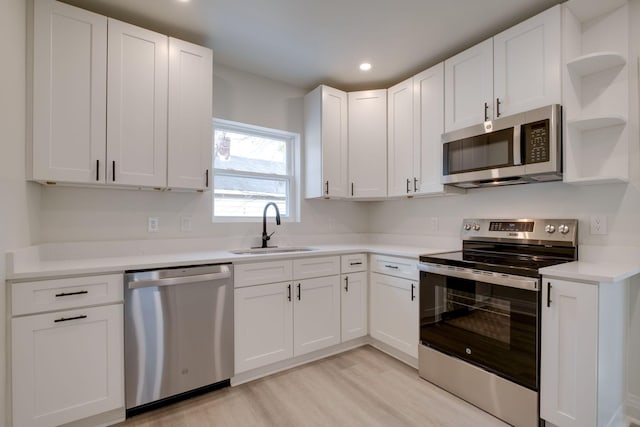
pixel 494 326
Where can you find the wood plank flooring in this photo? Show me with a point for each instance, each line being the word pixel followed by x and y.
pixel 361 387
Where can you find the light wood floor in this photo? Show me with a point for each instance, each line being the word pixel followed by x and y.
pixel 362 387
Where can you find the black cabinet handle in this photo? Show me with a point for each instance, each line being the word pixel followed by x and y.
pixel 408 182
pixel 415 184
pixel 355 263
pixel 346 284
pixel 327 188
pixel 66 319
pixel 298 291
pixel 413 296
pixel 206 178
pixel 352 188
pixel 486 111
pixel 289 296
pixel 67 294
pixel 497 107
pixel 549 294
pixel 113 171
pixel 98 170
pixel 395 267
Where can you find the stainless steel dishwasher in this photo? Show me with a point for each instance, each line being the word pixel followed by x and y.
pixel 178 333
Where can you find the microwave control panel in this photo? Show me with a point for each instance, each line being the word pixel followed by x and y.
pixel 536 142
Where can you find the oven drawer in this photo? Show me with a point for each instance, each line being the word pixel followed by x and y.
pixel 406 268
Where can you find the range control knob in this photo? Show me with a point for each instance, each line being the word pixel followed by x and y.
pixel 564 229
pixel 550 229
pixel 467 226
pixel 476 227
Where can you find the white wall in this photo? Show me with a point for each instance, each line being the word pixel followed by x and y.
pixel 77 214
pixel 19 205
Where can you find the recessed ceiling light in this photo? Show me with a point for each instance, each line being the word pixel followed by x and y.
pixel 365 66
pixel 183 1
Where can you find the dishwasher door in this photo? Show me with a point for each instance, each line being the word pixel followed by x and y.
pixel 178 331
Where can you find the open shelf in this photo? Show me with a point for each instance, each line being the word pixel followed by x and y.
pixel 595 62
pixel 592 123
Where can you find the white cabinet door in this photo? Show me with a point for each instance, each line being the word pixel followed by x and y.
pixel 428 110
pixel 326 145
pixel 67 365
pixel 394 312
pixel 368 143
pixel 263 325
pixel 316 314
pixel 569 348
pixel 402 180
pixel 527 64
pixel 354 305
pixel 137 106
pixel 468 79
pixel 69 94
pixel 190 115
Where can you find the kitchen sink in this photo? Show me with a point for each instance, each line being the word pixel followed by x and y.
pixel 273 250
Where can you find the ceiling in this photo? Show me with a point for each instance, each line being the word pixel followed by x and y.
pixel 308 42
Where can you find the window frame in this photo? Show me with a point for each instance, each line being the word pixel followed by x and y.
pixel 291 139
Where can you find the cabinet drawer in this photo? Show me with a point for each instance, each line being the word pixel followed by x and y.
pixel 353 262
pixel 262 272
pixel 59 294
pixel 316 267
pixel 395 266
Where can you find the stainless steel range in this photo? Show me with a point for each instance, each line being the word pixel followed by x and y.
pixel 480 308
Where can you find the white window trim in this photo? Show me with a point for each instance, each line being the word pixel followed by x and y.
pixel 294 160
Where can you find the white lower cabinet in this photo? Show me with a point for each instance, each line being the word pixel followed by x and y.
pixel 263 325
pixel 354 305
pixel 394 312
pixel 316 314
pixel 582 353
pixel 67 365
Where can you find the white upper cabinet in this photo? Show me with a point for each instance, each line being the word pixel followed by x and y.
pixel 368 143
pixel 527 64
pixel 137 108
pixel 469 87
pixel 190 113
pixel 105 104
pixel 402 180
pixel 326 143
pixel 69 94
pixel 517 70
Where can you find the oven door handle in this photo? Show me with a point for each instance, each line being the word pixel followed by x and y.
pixel 509 280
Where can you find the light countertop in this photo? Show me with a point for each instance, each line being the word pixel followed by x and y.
pixel 601 271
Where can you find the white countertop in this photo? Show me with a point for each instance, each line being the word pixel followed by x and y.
pixel 31 268
pixel 600 271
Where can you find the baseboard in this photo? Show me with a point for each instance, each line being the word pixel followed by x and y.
pixel 101 420
pixel 393 352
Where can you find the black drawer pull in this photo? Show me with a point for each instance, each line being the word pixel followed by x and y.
pixel 68 294
pixel 395 267
pixel 66 319
pixel 413 296
pixel 355 263
pixel 549 294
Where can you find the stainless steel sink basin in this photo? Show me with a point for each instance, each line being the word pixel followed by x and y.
pixel 273 250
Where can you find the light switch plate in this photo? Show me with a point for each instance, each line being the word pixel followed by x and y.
pixel 185 224
pixel 598 224
pixel 153 224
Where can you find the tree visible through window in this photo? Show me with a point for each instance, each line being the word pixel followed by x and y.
pixel 252 167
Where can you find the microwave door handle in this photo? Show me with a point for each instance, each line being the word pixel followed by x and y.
pixel 517 151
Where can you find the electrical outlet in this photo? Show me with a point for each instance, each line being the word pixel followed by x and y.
pixel 598 224
pixel 185 224
pixel 433 224
pixel 153 224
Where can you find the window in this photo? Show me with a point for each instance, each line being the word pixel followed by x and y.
pixel 253 166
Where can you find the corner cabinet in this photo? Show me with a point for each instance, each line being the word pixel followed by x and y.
pixel 326 143
pixel 367 143
pixel 110 103
pixel 67 349
pixel 517 70
pixel 582 353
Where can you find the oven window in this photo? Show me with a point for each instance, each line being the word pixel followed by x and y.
pixel 480 152
pixel 492 326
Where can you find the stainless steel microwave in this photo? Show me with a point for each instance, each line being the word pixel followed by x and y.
pixel 518 149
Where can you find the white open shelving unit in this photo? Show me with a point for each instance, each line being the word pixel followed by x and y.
pixel 596 98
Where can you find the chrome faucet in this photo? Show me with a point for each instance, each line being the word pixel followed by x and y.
pixel 265 236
